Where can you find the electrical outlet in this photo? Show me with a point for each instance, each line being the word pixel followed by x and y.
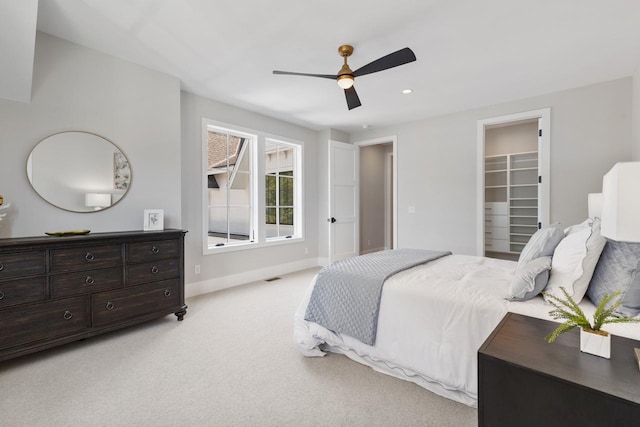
pixel 197 269
pixel 412 209
pixel 306 251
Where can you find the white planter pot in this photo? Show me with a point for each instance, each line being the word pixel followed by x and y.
pixel 596 344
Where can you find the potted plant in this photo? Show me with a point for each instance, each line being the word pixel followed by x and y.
pixel 593 339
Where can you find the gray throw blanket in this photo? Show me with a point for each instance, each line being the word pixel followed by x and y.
pixel 346 296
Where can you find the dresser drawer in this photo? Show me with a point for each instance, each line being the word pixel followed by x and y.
pixel 499 233
pixel 149 251
pixel 495 221
pixel 62 285
pixel 88 257
pixel 128 303
pixel 496 245
pixel 22 291
pixel 152 271
pixel 495 208
pixel 22 264
pixel 36 322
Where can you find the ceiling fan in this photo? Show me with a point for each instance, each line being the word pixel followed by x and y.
pixel 345 76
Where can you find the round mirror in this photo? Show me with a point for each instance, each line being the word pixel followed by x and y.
pixel 79 171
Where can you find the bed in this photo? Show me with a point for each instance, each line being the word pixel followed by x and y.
pixel 432 319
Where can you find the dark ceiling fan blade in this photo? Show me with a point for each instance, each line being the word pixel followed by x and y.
pixel 324 76
pixel 395 59
pixel 353 101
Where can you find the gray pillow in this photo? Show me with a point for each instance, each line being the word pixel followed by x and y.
pixel 541 244
pixel 618 269
pixel 530 280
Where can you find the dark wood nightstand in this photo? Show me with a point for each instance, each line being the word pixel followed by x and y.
pixel 525 381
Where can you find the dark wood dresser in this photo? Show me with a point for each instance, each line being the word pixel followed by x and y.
pixel 525 381
pixel 55 290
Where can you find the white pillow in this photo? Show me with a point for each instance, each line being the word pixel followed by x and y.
pixel 578 227
pixel 574 261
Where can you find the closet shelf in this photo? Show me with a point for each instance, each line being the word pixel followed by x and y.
pixel 511 196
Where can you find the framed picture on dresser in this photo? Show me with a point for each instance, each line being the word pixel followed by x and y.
pixel 153 219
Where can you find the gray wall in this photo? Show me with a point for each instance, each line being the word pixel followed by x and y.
pixel 516 138
pixel 636 115
pixel 228 264
pixel 372 197
pixel 437 161
pixel 75 88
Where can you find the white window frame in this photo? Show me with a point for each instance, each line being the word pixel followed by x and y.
pixel 257 140
pixel 297 188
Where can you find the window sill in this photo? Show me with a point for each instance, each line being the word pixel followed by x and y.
pixel 251 245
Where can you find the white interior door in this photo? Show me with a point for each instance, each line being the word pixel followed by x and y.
pixel 342 221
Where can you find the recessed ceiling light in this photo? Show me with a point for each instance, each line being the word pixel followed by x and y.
pixel 365 126
pixel 407 91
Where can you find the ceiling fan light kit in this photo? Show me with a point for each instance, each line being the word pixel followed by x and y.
pixel 345 77
pixel 345 81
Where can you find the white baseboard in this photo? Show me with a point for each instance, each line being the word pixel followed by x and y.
pixel 368 251
pixel 198 288
pixel 323 261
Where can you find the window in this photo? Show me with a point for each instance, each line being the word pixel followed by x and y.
pixel 230 192
pixel 280 161
pixel 237 209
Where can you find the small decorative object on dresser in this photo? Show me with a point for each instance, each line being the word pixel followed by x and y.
pixel 153 219
pixel 57 290
pixel 593 339
pixel 4 217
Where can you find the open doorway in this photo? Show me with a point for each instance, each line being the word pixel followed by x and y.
pixel 513 181
pixel 377 195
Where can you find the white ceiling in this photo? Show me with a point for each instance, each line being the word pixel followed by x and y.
pixel 470 53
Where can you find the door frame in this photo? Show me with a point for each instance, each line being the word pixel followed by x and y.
pixel 389 193
pixel 543 116
pixel 393 140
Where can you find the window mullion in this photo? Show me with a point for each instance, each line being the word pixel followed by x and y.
pixel 228 195
pixel 278 190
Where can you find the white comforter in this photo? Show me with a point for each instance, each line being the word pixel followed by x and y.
pixel 432 320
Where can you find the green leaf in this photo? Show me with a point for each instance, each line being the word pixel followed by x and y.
pixel 565 327
pixel 567 309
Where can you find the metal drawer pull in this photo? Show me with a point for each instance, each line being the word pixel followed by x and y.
pixel 89 280
pixel 155 250
pixel 1 295
pixel 167 293
pixel 109 305
pixel 1 266
pixel 155 269
pixel 67 315
pixel 89 256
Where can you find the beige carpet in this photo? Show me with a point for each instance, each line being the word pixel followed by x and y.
pixel 231 362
